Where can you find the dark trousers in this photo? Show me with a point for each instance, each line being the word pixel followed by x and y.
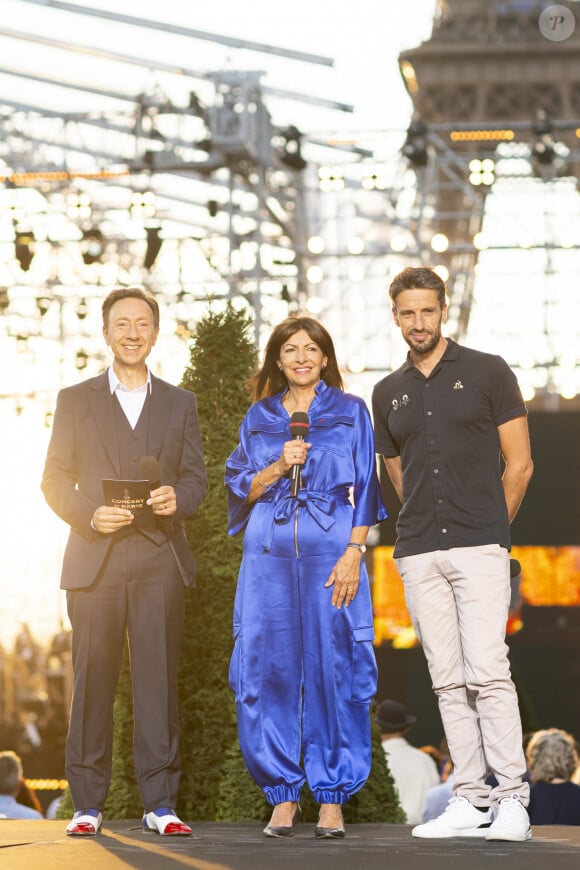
pixel 139 592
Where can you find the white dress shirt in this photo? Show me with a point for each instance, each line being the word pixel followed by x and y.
pixel 131 401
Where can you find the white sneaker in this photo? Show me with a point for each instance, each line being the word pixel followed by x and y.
pixel 511 821
pixel 460 819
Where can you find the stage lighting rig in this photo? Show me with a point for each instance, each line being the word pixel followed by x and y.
pixel 24 248
pixel 154 242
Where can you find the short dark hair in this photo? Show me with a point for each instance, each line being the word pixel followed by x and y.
pixel 130 293
pixel 415 278
pixel 269 380
pixel 10 772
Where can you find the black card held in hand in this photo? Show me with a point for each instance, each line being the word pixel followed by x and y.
pixel 131 495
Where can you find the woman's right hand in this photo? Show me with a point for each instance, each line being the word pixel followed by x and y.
pixel 294 452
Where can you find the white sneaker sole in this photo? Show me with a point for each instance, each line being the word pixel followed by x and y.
pixel 505 836
pixel 448 833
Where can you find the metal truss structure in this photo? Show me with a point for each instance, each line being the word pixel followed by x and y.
pixel 192 189
pixel 201 178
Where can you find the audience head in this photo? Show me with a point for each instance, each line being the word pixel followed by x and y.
pixel 393 717
pixel 551 754
pixel 10 773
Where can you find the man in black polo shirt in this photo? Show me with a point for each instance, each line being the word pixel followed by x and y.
pixel 441 422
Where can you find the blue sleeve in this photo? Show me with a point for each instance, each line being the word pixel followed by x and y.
pixel 368 503
pixel 240 471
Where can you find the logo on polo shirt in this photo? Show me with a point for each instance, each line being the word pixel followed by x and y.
pixel 400 401
pixel 457 385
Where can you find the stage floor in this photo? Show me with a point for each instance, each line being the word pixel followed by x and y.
pixel 43 845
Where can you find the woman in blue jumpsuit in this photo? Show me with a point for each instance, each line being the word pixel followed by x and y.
pixel 303 669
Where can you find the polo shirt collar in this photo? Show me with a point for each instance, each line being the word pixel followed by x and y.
pixel 451 353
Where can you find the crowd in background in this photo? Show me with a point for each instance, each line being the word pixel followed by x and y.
pixel 35 686
pixel 34 698
pixel 424 776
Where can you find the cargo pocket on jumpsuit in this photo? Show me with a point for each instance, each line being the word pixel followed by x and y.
pixel 236 664
pixel 364 665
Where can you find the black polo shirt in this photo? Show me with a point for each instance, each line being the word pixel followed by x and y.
pixel 444 428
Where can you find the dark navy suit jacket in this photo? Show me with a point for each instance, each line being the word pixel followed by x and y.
pixel 83 451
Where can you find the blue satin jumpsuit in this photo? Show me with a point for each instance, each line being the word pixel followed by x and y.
pixel 303 672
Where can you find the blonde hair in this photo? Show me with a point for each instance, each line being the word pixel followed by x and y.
pixel 551 754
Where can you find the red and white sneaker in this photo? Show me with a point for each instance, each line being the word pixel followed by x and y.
pixel 85 823
pixel 165 822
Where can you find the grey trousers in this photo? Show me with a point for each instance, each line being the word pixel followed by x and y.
pixel 139 593
pixel 458 601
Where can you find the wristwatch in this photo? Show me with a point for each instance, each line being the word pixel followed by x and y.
pixel 356 546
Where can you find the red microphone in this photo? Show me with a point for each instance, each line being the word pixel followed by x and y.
pixel 299 428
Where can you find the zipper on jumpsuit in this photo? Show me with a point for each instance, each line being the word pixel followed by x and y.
pixel 296 532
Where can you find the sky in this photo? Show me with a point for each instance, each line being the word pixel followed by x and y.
pixel 364 39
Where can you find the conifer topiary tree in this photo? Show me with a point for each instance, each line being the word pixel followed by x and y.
pixel 223 357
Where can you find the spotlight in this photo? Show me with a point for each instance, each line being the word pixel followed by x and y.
pixel 291 154
pixel 24 248
pixel 331 178
pixel 92 246
pixel 439 243
pixel 43 304
pixel 78 205
pixel 196 107
pixel 415 147
pixel 81 360
pixel 544 152
pixel 315 244
pixel 482 172
pixel 82 309
pixel 143 204
pixel 154 243
pixel 546 158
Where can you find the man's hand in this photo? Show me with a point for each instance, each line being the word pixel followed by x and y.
pixel 107 520
pixel 163 501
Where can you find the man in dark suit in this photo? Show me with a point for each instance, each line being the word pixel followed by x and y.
pixel 122 578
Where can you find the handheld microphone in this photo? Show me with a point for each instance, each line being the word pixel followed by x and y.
pixel 299 428
pixel 150 470
pixel 515 568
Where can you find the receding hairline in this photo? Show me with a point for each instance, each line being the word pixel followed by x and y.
pixel 122 293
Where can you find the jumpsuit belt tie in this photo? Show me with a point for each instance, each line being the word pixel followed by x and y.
pixel 320 506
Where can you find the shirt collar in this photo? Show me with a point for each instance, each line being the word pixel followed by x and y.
pixel 451 352
pixel 115 384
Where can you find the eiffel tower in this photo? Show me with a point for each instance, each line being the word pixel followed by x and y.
pixel 492 71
